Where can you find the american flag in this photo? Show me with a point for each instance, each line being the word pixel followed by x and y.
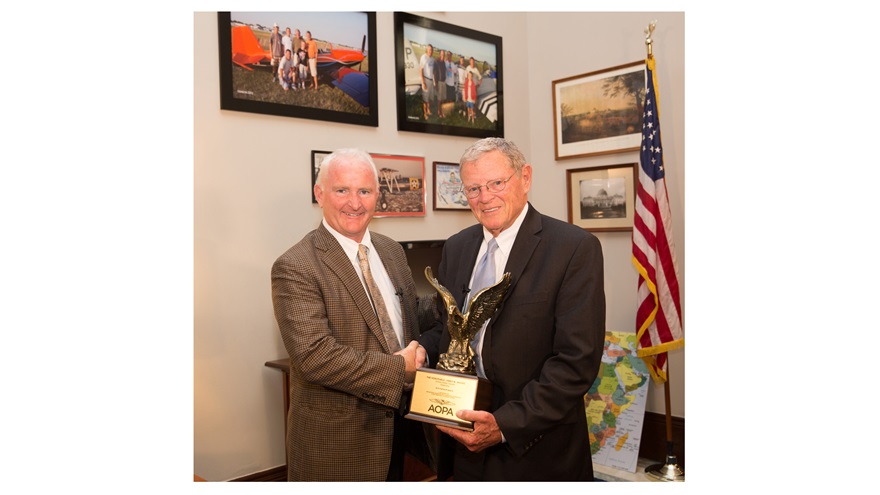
pixel 658 320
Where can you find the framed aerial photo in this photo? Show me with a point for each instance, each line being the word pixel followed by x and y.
pixel 460 95
pixel 599 112
pixel 336 83
pixel 401 185
pixel 447 187
pixel 317 158
pixel 602 199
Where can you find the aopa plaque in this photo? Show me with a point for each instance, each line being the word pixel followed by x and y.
pixel 454 385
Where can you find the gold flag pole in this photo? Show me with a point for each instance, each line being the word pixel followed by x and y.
pixel 670 470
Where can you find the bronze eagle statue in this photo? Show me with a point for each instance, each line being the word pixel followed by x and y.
pixel 463 327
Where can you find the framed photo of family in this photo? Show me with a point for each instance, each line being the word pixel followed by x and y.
pixel 602 199
pixel 599 112
pixel 447 187
pixel 449 79
pixel 330 73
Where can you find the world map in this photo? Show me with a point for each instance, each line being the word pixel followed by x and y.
pixel 615 404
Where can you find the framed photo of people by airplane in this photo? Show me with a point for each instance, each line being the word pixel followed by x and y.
pixel 602 199
pixel 401 186
pixel 311 65
pixel 401 183
pixel 447 187
pixel 460 94
pixel 599 112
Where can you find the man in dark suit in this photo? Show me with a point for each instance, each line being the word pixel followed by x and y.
pixel 345 302
pixel 542 348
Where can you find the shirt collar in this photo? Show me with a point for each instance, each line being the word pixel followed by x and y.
pixel 507 236
pixel 348 245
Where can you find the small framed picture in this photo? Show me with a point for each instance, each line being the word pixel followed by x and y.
pixel 317 158
pixel 447 187
pixel 401 186
pixel 401 183
pixel 602 199
pixel 600 112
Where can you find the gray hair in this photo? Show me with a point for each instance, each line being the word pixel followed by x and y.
pixel 514 156
pixel 348 155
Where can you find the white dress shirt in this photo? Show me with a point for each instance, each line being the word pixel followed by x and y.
pixel 383 281
pixel 505 242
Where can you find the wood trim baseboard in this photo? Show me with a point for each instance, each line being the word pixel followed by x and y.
pixel 414 470
pixel 275 474
pixel 654 442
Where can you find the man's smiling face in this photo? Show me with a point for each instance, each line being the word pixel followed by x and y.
pixel 348 197
pixel 496 210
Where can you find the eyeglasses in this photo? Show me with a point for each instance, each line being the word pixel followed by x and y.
pixel 494 186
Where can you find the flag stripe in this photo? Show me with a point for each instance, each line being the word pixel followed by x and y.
pixel 658 314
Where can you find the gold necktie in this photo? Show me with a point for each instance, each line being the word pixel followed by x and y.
pixel 378 301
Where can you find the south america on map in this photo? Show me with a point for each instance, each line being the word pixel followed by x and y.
pixel 615 404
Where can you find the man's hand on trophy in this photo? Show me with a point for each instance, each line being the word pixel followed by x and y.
pixel 485 434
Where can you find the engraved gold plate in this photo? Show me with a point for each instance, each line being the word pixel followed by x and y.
pixel 438 394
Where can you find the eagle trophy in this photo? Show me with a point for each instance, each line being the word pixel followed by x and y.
pixel 463 327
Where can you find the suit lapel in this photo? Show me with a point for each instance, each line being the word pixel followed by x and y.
pixel 527 240
pixel 337 262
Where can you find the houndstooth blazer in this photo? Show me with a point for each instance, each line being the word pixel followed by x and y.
pixel 345 386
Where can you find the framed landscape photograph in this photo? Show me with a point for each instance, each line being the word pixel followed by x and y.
pixel 460 95
pixel 336 85
pixel 599 112
pixel 447 187
pixel 602 199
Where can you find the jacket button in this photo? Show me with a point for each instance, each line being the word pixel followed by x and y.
pixel 389 414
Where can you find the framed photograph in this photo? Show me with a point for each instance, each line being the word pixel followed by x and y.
pixel 317 158
pixel 447 187
pixel 600 112
pixel 401 186
pixel 336 83
pixel 458 95
pixel 602 199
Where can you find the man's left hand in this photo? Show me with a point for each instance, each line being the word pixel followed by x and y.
pixel 485 434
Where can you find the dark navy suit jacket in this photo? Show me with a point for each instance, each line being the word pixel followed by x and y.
pixel 541 351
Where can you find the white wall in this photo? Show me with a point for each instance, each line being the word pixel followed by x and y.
pixel 252 201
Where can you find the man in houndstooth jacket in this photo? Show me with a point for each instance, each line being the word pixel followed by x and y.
pixel 346 383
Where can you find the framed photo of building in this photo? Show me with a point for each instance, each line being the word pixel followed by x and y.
pixel 461 95
pixel 447 187
pixel 336 83
pixel 599 112
pixel 602 199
